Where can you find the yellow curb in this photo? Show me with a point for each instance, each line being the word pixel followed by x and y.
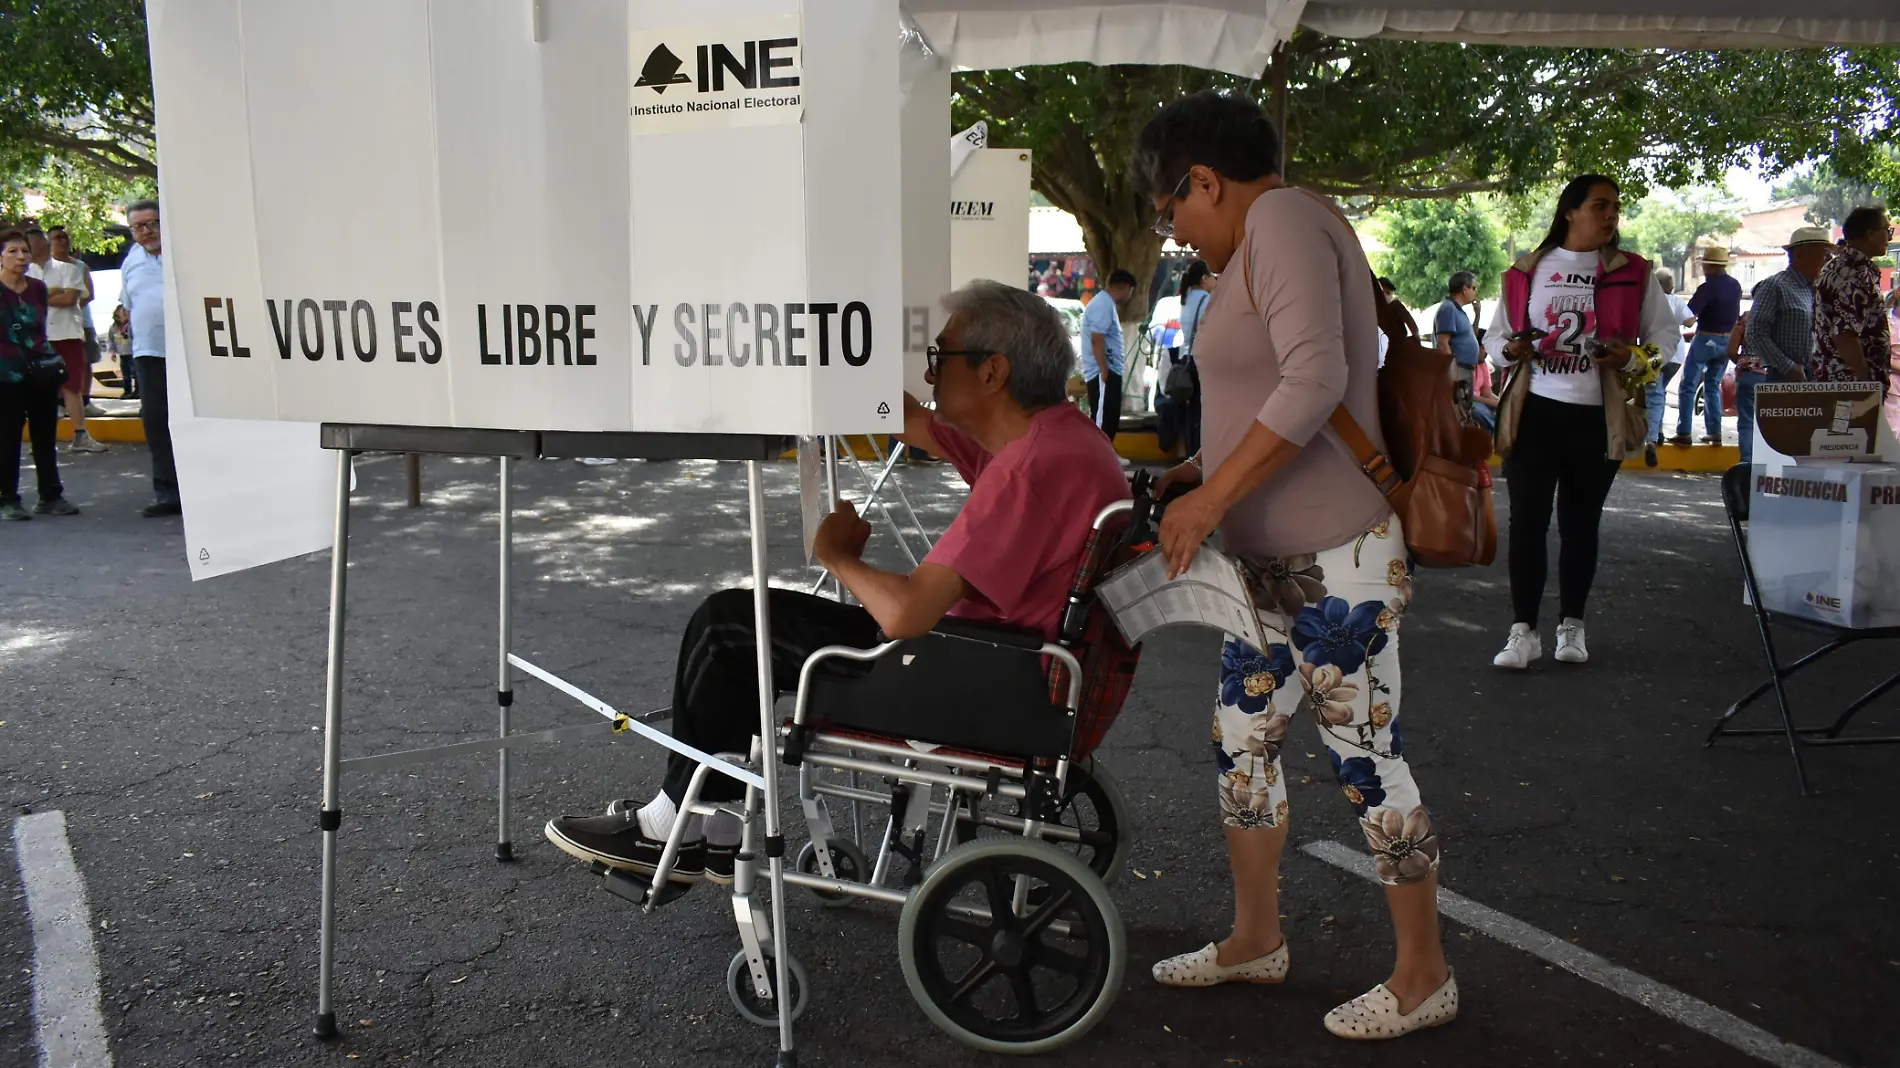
pixel 110 429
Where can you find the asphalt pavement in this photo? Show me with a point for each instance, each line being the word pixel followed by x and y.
pixel 176 727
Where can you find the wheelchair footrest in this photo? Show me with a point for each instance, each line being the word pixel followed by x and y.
pixel 636 887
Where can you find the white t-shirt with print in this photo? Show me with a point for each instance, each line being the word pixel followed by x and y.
pixel 1564 303
pixel 63 324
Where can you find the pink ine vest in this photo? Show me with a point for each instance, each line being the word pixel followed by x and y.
pixel 1619 297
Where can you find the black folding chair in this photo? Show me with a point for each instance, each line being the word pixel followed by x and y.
pixel 1735 502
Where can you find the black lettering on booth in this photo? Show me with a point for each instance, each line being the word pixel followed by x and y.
pixel 645 325
pixel 548 315
pixel 709 333
pixel 481 335
pixel 398 309
pixel 765 318
pixel 686 350
pixel 229 324
pixel 768 63
pixel 824 312
pixel 310 337
pixel 336 308
pixel 738 355
pixel 527 328
pixel 793 333
pixel 427 315
pixel 582 335
pixel 281 328
pixel 853 355
pixel 359 312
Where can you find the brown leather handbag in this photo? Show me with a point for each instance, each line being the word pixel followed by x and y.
pixel 1435 469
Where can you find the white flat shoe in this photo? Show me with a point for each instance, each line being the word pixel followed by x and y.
pixel 1375 1014
pixel 1202 968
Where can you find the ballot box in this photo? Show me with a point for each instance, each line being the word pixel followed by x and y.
pixel 1825 541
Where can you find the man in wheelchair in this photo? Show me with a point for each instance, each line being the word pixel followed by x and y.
pixel 1038 472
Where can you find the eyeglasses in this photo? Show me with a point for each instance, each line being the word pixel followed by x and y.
pixel 933 356
pixel 1164 222
pixel 139 227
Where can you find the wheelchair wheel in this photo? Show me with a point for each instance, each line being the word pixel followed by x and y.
pixel 1005 982
pixel 1092 805
pixel 847 860
pixel 745 998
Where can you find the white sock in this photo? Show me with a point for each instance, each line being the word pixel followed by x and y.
pixel 722 828
pixel 657 816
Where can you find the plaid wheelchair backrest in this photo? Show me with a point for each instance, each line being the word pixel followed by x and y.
pixel 1108 662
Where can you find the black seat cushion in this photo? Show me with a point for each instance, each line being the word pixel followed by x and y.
pixel 948 689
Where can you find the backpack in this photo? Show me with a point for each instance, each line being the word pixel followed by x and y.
pixel 1435 470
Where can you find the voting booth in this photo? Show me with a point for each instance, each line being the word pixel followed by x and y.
pixel 1816 522
pixel 532 228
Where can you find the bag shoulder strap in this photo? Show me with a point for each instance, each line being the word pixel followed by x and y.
pixel 1375 463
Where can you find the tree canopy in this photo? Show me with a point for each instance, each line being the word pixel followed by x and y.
pixel 1430 240
pixel 1373 121
pixel 1836 194
pixel 1665 227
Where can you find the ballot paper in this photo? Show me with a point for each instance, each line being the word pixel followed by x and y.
pixel 1213 592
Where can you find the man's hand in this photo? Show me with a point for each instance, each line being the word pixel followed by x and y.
pixel 841 536
pixel 1794 374
pixel 1615 353
pixel 1517 350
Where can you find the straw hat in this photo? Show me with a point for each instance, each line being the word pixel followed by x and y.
pixel 1715 255
pixel 1809 235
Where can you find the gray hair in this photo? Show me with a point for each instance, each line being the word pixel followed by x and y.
pixel 1667 279
pixel 141 205
pixel 1022 326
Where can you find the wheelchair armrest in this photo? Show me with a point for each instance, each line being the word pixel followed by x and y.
pixel 980 632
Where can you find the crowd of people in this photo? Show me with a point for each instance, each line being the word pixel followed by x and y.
pixel 49 348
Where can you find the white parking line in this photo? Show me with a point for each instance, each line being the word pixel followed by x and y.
pixel 72 1034
pixel 1662 1000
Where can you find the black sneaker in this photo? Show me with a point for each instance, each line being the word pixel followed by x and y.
pixel 719 863
pixel 617 842
pixel 55 506
pixel 1649 454
pixel 162 508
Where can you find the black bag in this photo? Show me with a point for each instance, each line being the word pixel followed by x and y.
pixel 1178 384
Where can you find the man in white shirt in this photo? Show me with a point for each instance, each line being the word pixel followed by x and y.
pixel 143 280
pixel 1657 391
pixel 67 290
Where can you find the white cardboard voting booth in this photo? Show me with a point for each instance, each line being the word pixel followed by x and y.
pixel 989 217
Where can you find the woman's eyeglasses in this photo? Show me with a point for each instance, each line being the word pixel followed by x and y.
pixel 1164 222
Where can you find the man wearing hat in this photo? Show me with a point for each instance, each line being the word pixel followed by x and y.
pixel 1779 337
pixel 1717 305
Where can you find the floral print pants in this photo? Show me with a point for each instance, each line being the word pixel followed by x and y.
pixel 1332 624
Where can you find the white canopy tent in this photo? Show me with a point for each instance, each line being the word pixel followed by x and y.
pixel 1238 36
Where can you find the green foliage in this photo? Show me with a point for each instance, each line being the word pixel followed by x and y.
pixel 1665 227
pixel 1389 120
pixel 82 200
pixel 1835 194
pixel 1430 240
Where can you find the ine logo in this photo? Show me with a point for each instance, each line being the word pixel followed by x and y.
pixel 662 69
pixel 719 68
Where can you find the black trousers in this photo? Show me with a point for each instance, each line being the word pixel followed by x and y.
pixel 716 685
pixel 155 413
pixel 1559 454
pixel 1105 400
pixel 38 410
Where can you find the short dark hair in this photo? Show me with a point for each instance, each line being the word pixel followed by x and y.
pixel 1195 274
pixel 1121 276
pixel 11 235
pixel 1861 221
pixel 140 205
pixel 1388 284
pixel 1223 131
pixel 1460 281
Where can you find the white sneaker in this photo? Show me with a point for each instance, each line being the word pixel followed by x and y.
pixel 83 442
pixel 1570 647
pixel 1521 649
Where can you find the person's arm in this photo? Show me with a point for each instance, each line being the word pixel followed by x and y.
pixel 1737 337
pixel 905 606
pixel 1098 348
pixel 1442 330
pixel 917 423
pixel 1847 347
pixel 1496 335
pixel 1699 302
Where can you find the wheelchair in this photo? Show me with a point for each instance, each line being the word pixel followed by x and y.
pixel 1001 831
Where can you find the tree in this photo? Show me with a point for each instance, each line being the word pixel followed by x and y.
pixel 1433 239
pixel 1666 228
pixel 1389 120
pixel 1835 195
pixel 76 113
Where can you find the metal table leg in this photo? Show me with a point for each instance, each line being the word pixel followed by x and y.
pixel 768 764
pixel 504 682
pixel 330 817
